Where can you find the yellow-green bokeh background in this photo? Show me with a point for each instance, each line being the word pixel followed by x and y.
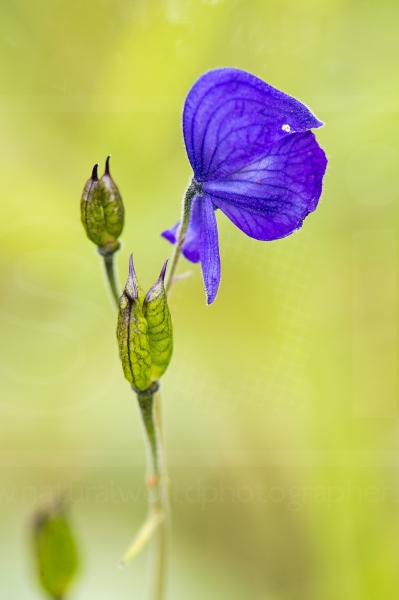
pixel 281 410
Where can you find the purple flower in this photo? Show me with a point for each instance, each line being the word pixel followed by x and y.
pixel 253 156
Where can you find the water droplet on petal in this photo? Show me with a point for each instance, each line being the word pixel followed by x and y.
pixel 286 127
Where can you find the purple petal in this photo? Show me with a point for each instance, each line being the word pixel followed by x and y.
pixel 192 242
pixel 209 249
pixel 270 198
pixel 171 234
pixel 231 118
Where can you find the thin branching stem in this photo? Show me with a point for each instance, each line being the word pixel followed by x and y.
pixel 109 265
pixel 181 236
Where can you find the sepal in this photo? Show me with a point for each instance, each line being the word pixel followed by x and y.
pixel 144 331
pixel 134 348
pixel 159 321
pixel 114 212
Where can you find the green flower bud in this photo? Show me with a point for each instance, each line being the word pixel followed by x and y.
pixel 144 331
pixel 56 553
pixel 102 211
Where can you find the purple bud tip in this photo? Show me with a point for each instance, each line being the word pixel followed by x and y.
pixel 107 171
pixel 132 273
pixel 94 173
pixel 162 275
pixel 131 287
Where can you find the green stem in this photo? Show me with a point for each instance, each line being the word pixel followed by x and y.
pixel 185 219
pixel 158 498
pixel 110 273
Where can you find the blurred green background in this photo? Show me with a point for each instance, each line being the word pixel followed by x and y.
pixel 281 409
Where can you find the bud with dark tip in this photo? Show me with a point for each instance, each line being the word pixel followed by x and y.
pixel 55 548
pixel 102 211
pixel 144 331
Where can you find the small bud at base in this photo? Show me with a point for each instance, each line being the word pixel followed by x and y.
pixel 55 549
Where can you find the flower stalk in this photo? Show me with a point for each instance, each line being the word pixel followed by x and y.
pixel 145 340
pixel 109 266
pixel 181 236
pixel 157 485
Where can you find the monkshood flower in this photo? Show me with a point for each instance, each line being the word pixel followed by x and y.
pixel 254 158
